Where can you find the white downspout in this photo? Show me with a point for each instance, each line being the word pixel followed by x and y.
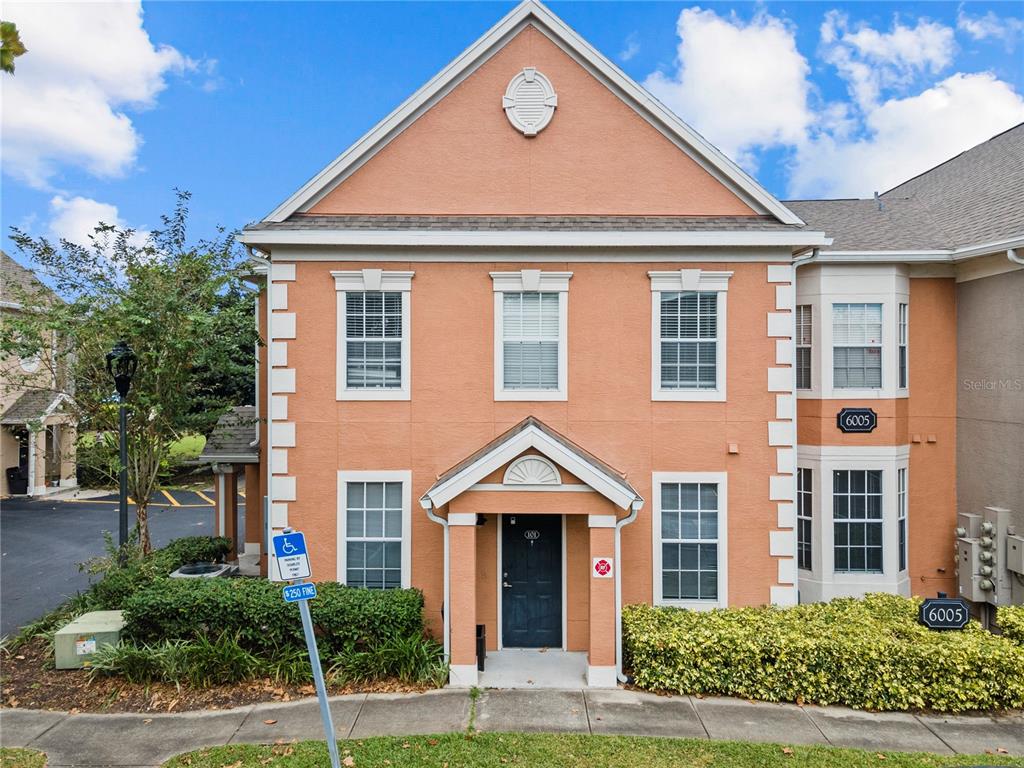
pixel 268 526
pixel 446 608
pixel 1011 254
pixel 31 490
pixel 634 510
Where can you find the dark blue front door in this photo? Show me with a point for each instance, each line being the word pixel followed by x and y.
pixel 531 605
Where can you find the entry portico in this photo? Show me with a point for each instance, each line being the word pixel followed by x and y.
pixel 531 525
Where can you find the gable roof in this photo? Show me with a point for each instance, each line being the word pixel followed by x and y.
pixel 232 440
pixel 970 205
pixel 977 196
pixel 24 280
pixel 532 433
pixel 533 12
pixel 33 405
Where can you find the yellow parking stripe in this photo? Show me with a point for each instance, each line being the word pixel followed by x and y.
pixel 174 501
pixel 205 498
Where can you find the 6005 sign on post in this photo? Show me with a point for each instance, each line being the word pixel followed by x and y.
pixel 944 613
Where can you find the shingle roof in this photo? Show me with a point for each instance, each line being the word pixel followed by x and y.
pixel 864 225
pixel 977 196
pixel 30 406
pixel 971 199
pixel 524 223
pixel 16 277
pixel 232 438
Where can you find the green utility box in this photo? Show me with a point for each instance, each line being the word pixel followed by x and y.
pixel 75 644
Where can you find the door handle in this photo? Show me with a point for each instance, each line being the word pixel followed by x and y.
pixel 506 585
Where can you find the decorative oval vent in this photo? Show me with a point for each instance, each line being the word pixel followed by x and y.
pixel 532 470
pixel 529 102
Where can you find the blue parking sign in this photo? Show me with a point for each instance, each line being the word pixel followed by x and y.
pixel 295 592
pixel 292 558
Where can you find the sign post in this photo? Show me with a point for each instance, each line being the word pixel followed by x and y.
pixel 293 562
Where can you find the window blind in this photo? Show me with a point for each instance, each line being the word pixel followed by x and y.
pixel 530 338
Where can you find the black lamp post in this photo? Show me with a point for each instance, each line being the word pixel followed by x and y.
pixel 121 365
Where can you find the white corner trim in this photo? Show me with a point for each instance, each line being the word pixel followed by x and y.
pixel 785 407
pixel 278 354
pixel 619 83
pixel 282 380
pixel 278 296
pixel 781 487
pixel 780 273
pixel 781 434
pixel 780 379
pixel 784 597
pixel 282 272
pixel 402 476
pixel 282 434
pixel 722 479
pixel 462 518
pixel 530 280
pixel 689 280
pixel 282 325
pixel 786 515
pixel 284 488
pixel 781 544
pixel 278 461
pixel 601 521
pixel 780 324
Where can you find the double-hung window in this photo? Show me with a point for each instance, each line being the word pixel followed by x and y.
pixel 373 334
pixel 804 517
pixel 688 334
pixel 857 346
pixel 803 346
pixel 904 310
pixel 857 520
pixel 689 539
pixel 374 519
pixel 530 329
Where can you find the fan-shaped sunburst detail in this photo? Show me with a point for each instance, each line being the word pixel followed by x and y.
pixel 532 470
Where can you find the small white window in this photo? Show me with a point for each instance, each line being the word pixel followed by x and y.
pixel 804 518
pixel 688 334
pixel 374 516
pixel 857 346
pixel 901 514
pixel 689 539
pixel 373 334
pixel 530 335
pixel 904 310
pixel 803 346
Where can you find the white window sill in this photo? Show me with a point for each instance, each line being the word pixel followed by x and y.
pixel 526 395
pixel 373 394
pixel 689 395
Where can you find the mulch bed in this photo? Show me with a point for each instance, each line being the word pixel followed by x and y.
pixel 28 680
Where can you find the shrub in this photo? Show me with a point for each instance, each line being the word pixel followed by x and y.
pixel 1011 621
pixel 254 612
pixel 867 654
pixel 410 659
pixel 201 662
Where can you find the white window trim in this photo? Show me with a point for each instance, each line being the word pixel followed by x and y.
pixel 903 515
pixel 809 516
pixel 822 582
pixel 689 280
pixel 531 280
pixel 721 479
pixel 798 346
pixel 880 346
pixel 904 304
pixel 375 476
pixel 359 280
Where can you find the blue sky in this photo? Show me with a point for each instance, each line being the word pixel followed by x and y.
pixel 241 102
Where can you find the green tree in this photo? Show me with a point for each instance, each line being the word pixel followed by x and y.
pixel 10 46
pixel 182 307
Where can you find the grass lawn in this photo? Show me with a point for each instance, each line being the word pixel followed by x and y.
pixel 568 751
pixel 21 758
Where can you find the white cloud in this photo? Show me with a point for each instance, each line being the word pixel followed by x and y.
pixel 872 62
pixel 76 218
pixel 1008 29
pixel 906 136
pixel 743 85
pixel 86 65
pixel 631 48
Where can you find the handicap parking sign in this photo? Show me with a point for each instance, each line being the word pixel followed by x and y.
pixel 292 559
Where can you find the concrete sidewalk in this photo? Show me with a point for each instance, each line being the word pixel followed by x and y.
pixel 148 740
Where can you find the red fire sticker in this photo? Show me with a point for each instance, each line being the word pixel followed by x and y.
pixel 602 568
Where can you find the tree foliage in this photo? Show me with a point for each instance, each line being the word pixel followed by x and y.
pixel 181 306
pixel 10 46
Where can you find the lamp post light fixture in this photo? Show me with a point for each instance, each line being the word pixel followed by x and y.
pixel 121 365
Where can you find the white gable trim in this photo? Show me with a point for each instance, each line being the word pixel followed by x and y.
pixel 622 85
pixel 607 485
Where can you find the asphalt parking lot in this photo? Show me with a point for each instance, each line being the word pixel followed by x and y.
pixel 43 541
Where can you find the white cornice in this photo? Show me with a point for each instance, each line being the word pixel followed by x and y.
pixel 616 80
pixel 689 280
pixel 372 280
pixel 534 238
pixel 530 280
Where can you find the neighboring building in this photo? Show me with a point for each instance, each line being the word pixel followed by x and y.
pixel 538 349
pixel 37 435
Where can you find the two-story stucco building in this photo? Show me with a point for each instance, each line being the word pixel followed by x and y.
pixel 538 349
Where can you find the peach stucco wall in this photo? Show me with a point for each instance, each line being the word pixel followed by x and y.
pixel 597 156
pixel 609 412
pixel 926 420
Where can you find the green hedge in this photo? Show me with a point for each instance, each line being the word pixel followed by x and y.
pixel 1010 619
pixel 253 611
pixel 867 654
